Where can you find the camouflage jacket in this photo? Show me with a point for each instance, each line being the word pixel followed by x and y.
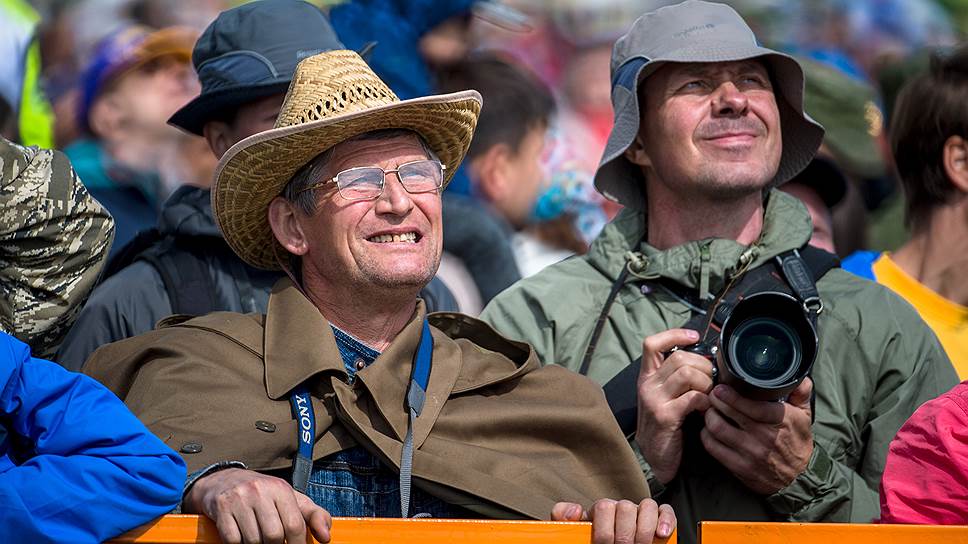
pixel 54 239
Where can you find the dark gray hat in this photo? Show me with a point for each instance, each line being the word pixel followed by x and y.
pixel 695 31
pixel 250 52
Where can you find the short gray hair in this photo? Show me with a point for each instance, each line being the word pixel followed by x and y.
pixel 311 171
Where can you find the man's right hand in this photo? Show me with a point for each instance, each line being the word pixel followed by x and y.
pixel 252 508
pixel 669 389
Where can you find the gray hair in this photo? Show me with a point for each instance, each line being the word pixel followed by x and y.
pixel 313 170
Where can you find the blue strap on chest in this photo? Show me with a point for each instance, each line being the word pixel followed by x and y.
pixel 416 395
pixel 302 411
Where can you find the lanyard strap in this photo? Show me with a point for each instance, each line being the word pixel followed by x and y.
pixel 416 394
pixel 302 410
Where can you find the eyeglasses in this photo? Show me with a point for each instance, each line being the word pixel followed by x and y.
pixel 367 182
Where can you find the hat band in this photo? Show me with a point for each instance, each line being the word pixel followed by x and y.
pixel 236 69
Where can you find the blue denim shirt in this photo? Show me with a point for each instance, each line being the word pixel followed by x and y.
pixel 354 482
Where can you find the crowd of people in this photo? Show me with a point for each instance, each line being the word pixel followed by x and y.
pixel 475 259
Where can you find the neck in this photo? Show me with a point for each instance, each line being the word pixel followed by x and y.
pixel 139 153
pixel 374 319
pixel 937 254
pixel 674 219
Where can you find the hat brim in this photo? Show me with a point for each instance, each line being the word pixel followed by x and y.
pixel 215 105
pixel 619 180
pixel 257 169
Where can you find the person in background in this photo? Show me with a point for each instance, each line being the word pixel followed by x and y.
pixel 379 408
pixel 926 475
pixel 849 156
pixel 25 112
pixel 707 124
pixel 929 141
pixel 245 60
pixel 505 160
pixel 136 79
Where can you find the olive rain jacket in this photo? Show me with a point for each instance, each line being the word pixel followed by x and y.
pixel 498 434
pixel 877 360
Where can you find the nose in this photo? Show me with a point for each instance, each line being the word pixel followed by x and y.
pixel 395 200
pixel 729 101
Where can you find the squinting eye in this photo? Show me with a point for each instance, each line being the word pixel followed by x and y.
pixel 693 85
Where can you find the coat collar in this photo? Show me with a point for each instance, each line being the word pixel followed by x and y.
pixel 299 344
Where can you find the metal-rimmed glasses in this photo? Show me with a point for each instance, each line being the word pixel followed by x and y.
pixel 367 182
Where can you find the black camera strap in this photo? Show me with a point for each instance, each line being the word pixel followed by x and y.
pixel 798 270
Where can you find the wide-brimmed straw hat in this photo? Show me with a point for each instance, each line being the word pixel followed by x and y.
pixel 334 96
pixel 690 32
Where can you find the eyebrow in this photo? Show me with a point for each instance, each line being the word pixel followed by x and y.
pixel 701 69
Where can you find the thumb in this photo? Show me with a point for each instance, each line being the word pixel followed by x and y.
pixel 800 397
pixel 317 518
pixel 567 511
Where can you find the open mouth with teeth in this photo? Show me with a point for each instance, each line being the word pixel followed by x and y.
pixel 407 237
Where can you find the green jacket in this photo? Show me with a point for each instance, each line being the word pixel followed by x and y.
pixel 877 362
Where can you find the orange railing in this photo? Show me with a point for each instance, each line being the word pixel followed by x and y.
pixel 184 529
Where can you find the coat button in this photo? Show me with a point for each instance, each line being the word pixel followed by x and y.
pixel 265 426
pixel 360 363
pixel 191 447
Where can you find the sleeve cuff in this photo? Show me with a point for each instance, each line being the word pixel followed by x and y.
pixel 201 473
pixel 805 488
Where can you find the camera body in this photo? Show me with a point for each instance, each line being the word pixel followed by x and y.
pixel 766 345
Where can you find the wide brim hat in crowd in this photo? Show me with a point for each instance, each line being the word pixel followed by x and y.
pixel 334 97
pixel 690 32
pixel 250 52
pixel 123 52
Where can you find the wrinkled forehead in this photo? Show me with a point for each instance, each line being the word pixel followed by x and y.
pixel 673 72
pixel 380 148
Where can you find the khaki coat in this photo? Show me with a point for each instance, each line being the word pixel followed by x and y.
pixel 499 434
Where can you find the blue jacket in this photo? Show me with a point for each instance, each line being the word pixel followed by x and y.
pixel 75 464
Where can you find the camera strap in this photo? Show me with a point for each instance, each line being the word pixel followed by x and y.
pixel 797 271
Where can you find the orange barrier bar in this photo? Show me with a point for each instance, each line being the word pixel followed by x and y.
pixel 185 529
pixel 720 532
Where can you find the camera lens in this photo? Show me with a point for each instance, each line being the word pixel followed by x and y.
pixel 766 351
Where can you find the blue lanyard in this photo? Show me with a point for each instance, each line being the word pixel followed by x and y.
pixel 302 411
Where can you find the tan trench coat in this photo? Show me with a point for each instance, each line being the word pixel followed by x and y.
pixel 499 434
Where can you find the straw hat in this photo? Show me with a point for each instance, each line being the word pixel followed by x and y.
pixel 334 96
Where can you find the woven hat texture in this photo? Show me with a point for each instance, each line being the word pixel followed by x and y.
pixel 334 96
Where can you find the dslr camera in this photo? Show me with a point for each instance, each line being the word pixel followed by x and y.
pixel 766 345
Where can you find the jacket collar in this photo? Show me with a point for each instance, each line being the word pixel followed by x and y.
pixel 299 344
pixel 786 226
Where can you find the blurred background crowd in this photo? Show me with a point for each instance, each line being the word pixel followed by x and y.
pixel 100 79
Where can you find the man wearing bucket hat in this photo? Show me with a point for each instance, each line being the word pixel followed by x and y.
pixel 245 60
pixel 345 386
pixel 707 122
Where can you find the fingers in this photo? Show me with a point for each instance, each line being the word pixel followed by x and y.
pixel 724 432
pixel 690 372
pixel 728 456
pixel 755 410
pixel 657 344
pixel 289 517
pixel 567 511
pixel 667 522
pixel 647 517
pixel 316 517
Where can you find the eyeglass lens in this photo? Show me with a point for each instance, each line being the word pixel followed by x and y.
pixel 367 182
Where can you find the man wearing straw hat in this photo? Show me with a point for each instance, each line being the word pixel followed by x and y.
pixel 345 387
pixel 707 123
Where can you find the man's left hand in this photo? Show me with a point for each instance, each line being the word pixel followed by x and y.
pixel 621 521
pixel 763 443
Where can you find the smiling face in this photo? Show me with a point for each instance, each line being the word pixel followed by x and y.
pixel 709 129
pixel 391 242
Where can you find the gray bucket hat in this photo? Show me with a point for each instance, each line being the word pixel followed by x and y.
pixel 695 31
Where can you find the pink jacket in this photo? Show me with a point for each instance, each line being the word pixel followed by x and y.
pixel 926 476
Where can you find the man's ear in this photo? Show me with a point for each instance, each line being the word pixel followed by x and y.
pixel 491 172
pixel 284 221
pixel 105 116
pixel 220 137
pixel 955 160
pixel 636 154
